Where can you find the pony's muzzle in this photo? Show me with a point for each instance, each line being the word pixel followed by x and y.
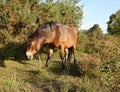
pixel 29 55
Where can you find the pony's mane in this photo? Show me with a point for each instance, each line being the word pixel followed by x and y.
pixel 47 25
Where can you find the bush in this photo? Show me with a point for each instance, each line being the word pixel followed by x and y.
pixel 82 41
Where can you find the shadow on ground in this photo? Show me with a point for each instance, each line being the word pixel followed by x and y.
pixel 52 78
pixel 12 51
pixel 71 69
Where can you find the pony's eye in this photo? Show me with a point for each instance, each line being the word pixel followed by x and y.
pixel 29 43
pixel 29 39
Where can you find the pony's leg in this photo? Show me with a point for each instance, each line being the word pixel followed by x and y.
pixel 74 54
pixel 69 54
pixel 66 54
pixel 48 57
pixel 62 54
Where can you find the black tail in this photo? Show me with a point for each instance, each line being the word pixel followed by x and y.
pixel 71 51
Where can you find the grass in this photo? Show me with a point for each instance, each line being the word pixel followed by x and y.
pixel 32 76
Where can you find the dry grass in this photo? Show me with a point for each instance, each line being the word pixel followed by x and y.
pixel 32 76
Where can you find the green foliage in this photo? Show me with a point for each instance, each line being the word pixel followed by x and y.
pixel 112 72
pixel 64 11
pixel 18 18
pixel 105 46
pixel 114 24
pixel 13 51
pixel 82 41
pixel 101 59
pixel 110 66
pixel 94 34
pixel 94 31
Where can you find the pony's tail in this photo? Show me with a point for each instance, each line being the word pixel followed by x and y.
pixel 70 51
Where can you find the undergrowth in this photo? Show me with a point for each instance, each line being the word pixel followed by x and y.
pixel 32 76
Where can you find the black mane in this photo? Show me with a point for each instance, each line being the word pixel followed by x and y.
pixel 47 25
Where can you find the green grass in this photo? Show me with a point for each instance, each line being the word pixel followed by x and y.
pixel 32 76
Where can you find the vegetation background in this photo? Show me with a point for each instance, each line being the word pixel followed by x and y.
pixel 98 54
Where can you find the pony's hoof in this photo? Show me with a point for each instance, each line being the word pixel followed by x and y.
pixel 46 65
pixel 63 71
pixel 75 61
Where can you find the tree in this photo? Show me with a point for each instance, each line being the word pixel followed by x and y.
pixel 95 31
pixel 94 35
pixel 62 11
pixel 18 14
pixel 114 24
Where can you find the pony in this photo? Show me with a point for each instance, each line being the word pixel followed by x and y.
pixel 57 35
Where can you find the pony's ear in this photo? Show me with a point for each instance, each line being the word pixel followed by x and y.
pixel 37 20
pixel 30 36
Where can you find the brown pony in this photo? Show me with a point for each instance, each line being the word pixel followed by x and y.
pixel 57 35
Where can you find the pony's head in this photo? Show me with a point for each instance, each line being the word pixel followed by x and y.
pixel 33 46
pixel 40 36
